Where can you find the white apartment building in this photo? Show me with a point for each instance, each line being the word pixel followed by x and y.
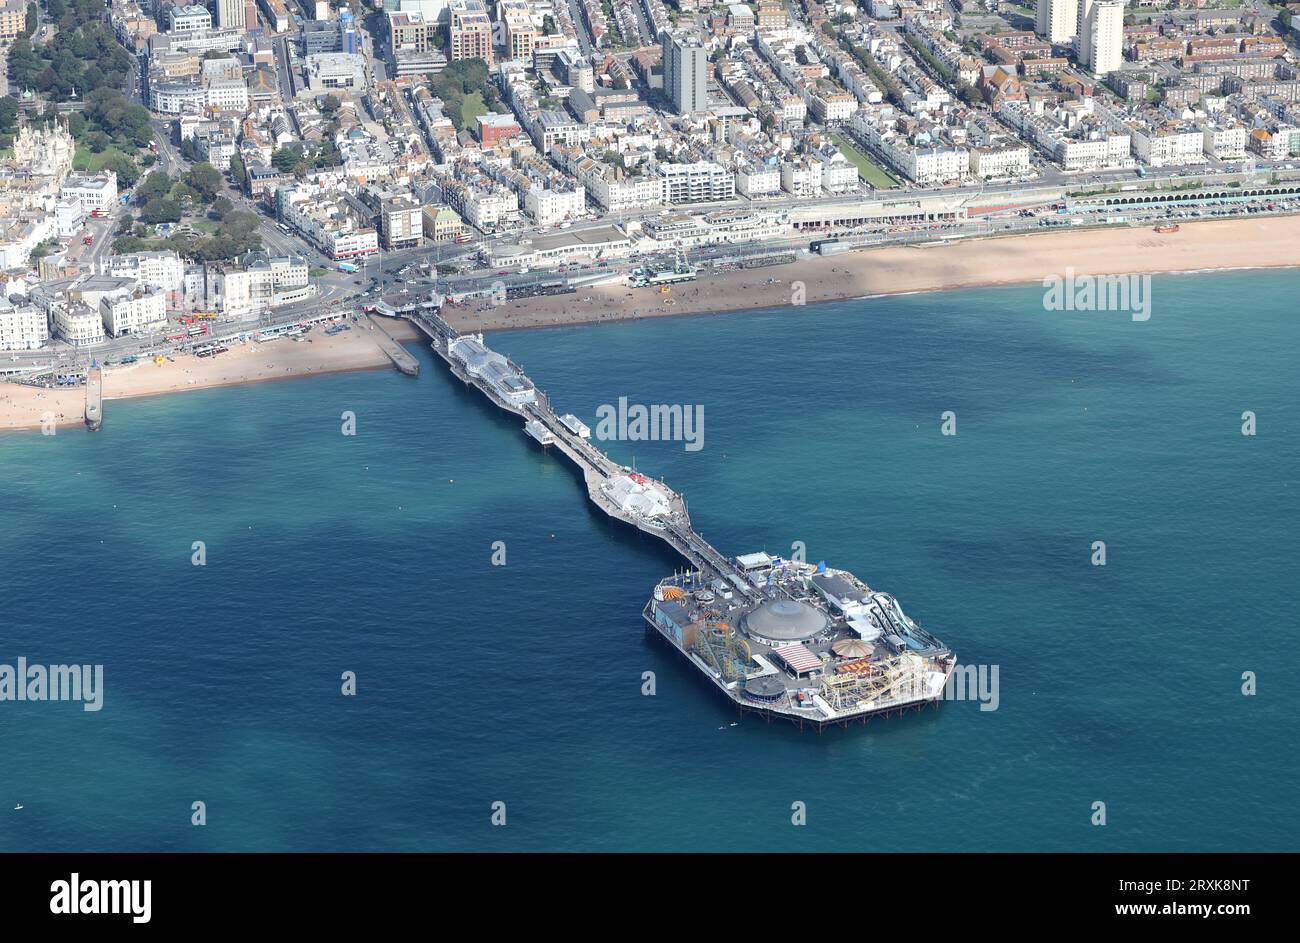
pixel 69 216
pixel 1105 35
pixel 217 149
pixel 934 164
pixel 1168 146
pixel 838 175
pixel 698 182
pixel 227 95
pixel 550 206
pixel 1057 20
pixel 1105 151
pixel 23 327
pixel 164 271
pixel 801 178
pixel 487 209
pixel 620 195
pixel 402 223
pixel 760 180
pixel 1225 143
pixel 95 192
pixel 78 324
pixel 1073 137
pixel 994 162
pixel 173 98
pixel 326 221
pixel 188 19
pixel 922 164
pixel 831 106
pixel 262 282
pixel 133 312
pixel 230 14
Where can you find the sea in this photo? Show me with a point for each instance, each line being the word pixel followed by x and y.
pixel 1097 532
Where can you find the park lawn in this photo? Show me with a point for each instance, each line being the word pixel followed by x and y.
pixel 86 159
pixel 471 106
pixel 868 169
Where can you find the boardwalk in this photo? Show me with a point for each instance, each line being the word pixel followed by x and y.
pixel 597 467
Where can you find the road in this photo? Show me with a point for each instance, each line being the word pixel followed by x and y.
pixel 284 70
pixel 580 27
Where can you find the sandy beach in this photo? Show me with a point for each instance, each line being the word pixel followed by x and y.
pixel 23 407
pixel 1221 244
pixel 1264 242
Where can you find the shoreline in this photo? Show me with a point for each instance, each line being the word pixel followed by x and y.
pixel 25 407
pixel 1200 247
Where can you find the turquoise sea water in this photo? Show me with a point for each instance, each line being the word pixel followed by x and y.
pixel 522 684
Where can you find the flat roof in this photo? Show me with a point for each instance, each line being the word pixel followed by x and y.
pixel 595 236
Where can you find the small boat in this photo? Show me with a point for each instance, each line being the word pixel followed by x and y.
pixel 18 807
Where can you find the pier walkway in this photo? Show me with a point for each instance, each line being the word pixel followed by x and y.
pixel 398 354
pixel 597 467
pixel 94 399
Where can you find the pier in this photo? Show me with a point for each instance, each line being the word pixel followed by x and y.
pixel 599 471
pixel 784 639
pixel 94 399
pixel 399 355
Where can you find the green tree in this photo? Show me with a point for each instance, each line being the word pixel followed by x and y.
pixel 161 210
pixel 156 185
pixel 238 172
pixel 125 168
pixel 33 20
pixel 125 245
pixel 190 150
pixel 287 158
pixel 205 179
pixel 8 114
